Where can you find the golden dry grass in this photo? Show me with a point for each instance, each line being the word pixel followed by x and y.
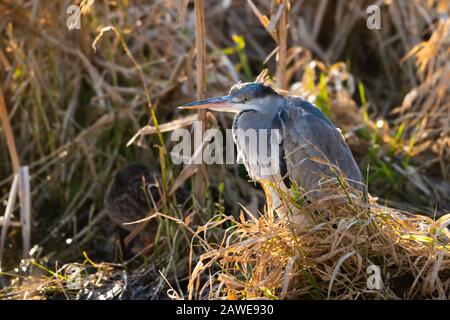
pixel 426 108
pixel 264 258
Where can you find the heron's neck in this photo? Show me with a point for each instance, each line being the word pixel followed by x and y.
pixel 251 119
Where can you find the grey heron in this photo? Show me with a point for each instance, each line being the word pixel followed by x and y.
pixel 311 149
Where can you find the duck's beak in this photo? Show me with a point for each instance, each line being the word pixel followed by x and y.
pixel 223 104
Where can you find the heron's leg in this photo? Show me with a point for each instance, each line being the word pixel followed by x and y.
pixel 274 203
pixel 269 199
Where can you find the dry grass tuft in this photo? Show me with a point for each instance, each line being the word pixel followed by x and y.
pixel 263 258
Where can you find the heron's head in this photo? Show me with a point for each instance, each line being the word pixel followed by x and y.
pixel 250 96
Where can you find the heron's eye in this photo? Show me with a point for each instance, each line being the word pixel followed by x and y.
pixel 245 99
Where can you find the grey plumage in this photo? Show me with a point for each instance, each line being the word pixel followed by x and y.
pixel 308 137
pixel 312 150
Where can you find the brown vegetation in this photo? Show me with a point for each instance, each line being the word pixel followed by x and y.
pixel 75 98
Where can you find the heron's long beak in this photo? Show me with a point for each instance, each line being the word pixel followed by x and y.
pixel 223 104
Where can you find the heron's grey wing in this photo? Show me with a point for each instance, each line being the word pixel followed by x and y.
pixel 311 143
pixel 278 124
